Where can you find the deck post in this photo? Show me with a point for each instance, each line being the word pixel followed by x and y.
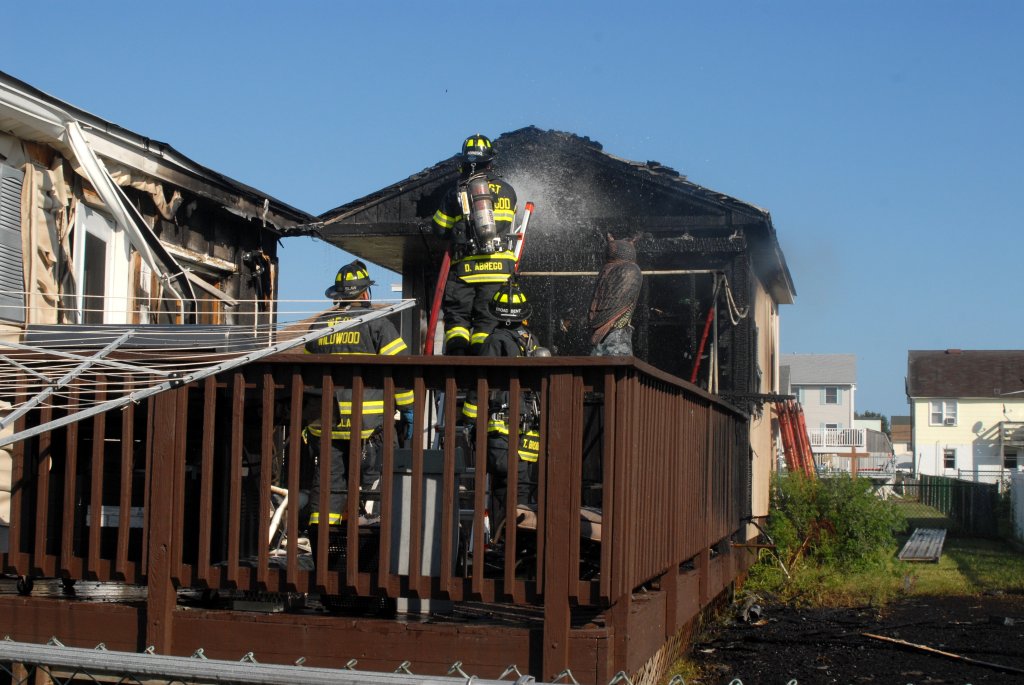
pixel 162 594
pixel 555 651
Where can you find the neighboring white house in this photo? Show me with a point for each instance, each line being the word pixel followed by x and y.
pixel 824 385
pixel 967 412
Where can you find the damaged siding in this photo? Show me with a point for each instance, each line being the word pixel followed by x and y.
pixel 194 234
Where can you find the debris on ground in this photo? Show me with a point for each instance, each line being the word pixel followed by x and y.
pixel 951 640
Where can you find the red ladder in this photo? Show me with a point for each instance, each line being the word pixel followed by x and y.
pixel 795 443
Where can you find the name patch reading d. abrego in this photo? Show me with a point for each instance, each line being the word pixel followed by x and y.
pixel 485 266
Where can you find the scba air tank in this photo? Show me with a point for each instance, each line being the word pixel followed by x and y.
pixel 482 214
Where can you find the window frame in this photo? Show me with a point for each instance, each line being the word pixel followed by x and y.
pixel 948 453
pixel 944 409
pixel 1007 452
pixel 838 395
pixel 114 252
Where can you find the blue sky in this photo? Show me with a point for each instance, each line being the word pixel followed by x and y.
pixel 884 137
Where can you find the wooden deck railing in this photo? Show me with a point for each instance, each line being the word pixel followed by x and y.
pixel 176 492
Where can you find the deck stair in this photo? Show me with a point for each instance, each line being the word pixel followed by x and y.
pixel 925 544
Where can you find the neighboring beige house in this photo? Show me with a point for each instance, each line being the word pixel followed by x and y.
pixel 967 412
pixel 902 440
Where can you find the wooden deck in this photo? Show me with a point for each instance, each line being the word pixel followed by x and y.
pixel 925 544
pixel 667 463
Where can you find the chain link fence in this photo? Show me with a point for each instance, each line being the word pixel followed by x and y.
pixel 24 663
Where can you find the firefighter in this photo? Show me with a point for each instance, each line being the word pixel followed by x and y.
pixel 351 291
pixel 476 218
pixel 511 338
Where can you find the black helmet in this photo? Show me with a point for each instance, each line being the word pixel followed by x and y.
pixel 509 304
pixel 351 282
pixel 477 150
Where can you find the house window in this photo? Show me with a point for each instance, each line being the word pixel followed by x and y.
pixel 831 426
pixel 1010 458
pixel 101 267
pixel 831 395
pixel 943 413
pixel 949 458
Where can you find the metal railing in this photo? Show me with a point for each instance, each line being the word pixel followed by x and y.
pixel 826 438
pixel 178 491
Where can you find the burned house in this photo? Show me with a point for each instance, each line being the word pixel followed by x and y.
pixel 197 486
pixel 714 273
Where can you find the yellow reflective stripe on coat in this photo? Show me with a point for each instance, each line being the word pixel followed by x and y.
pixel 456 332
pixel 404 398
pixel 508 215
pixel 369 407
pixel 485 278
pixel 445 221
pixel 469 410
pixel 504 254
pixel 529 446
pixel 333 519
pixel 479 338
pixel 496 426
pixel 396 346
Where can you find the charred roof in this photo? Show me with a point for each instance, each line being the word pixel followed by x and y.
pixel 579 189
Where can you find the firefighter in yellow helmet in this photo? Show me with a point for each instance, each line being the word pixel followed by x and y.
pixel 511 338
pixel 351 292
pixel 476 217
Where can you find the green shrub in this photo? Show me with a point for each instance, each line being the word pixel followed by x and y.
pixel 835 522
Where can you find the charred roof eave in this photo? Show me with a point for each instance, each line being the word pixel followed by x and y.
pixel 346 228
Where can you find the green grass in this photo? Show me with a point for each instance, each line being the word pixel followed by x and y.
pixel 922 516
pixel 968 566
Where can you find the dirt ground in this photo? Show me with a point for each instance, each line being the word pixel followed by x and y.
pixel 828 645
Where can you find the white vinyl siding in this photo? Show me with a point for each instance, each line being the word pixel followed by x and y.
pixel 12 267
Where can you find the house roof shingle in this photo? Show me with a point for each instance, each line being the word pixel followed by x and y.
pixel 821 369
pixel 965 373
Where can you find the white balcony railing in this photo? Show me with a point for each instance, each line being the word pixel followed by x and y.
pixel 827 438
